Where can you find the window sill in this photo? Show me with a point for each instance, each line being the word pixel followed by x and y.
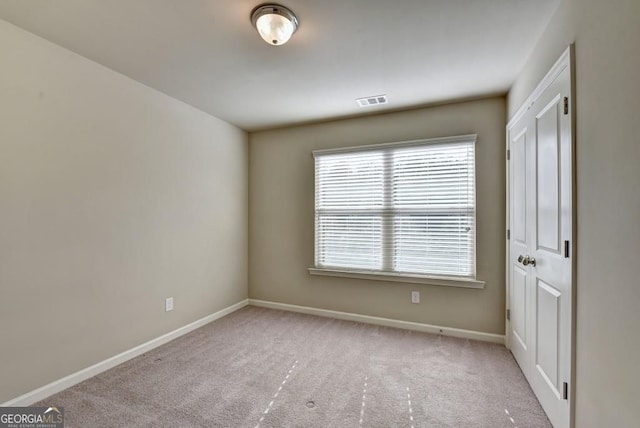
pixel 397 277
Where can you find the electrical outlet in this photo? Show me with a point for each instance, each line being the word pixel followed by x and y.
pixel 168 304
pixel 415 297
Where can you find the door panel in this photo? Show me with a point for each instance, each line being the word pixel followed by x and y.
pixel 553 213
pixel 519 195
pixel 519 308
pixel 541 222
pixel 519 283
pixel 548 317
pixel 548 150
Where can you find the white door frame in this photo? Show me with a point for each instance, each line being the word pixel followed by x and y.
pixel 567 59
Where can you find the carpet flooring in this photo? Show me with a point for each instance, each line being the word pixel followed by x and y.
pixel 261 368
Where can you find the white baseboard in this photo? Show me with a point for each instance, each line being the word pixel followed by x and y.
pixel 84 374
pixel 387 322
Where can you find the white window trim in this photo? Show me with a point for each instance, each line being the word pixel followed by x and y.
pixel 439 140
pixel 399 277
pixel 463 282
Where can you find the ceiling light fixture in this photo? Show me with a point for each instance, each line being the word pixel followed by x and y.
pixel 274 23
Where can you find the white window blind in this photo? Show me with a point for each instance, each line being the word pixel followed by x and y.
pixel 406 208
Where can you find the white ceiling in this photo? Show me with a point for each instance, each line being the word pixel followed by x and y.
pixel 207 54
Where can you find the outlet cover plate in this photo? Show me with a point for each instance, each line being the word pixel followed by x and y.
pixel 168 304
pixel 415 297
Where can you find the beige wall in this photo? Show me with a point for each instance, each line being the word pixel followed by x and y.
pixel 607 39
pixel 113 196
pixel 281 222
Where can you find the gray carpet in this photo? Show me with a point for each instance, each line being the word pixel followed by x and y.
pixel 260 368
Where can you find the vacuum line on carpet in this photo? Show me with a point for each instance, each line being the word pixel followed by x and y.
pixel 511 418
pixel 276 394
pixel 364 397
pixel 410 407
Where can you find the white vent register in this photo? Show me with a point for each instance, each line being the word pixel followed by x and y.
pixel 372 101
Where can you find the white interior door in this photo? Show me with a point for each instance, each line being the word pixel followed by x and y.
pixel 519 296
pixel 540 244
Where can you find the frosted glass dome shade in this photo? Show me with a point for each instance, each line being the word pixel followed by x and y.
pixel 275 24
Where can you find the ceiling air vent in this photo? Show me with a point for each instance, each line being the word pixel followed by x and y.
pixel 372 101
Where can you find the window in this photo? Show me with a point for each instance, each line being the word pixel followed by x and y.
pixel 401 209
